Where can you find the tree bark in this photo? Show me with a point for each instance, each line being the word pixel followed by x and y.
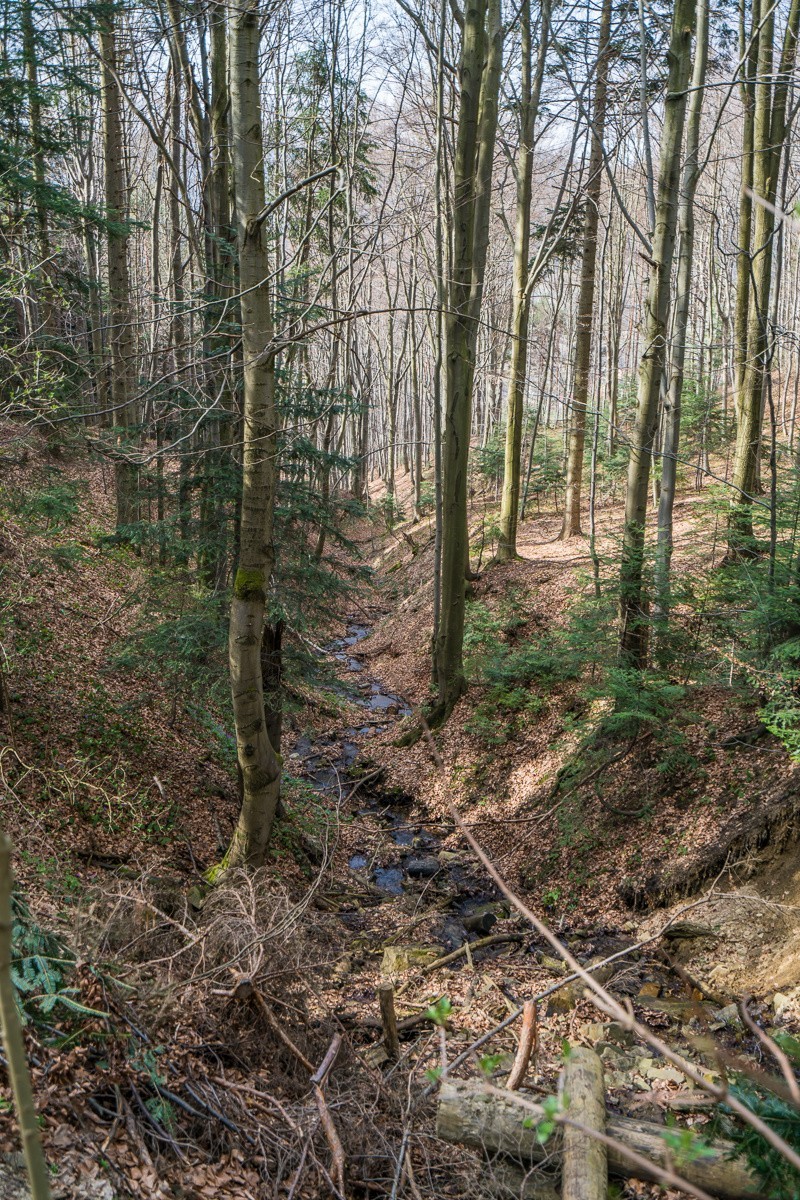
pixel 530 91
pixel 769 135
pixel 481 60
pixel 633 604
pixel 472 1116
pixel 672 415
pixel 258 762
pixel 584 322
pixel 584 1175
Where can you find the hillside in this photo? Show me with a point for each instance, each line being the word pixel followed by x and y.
pixel 120 792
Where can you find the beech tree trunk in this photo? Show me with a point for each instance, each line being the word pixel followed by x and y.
pixel 481 61
pixel 769 135
pixel 258 762
pixel 672 415
pixel 571 526
pixel 530 91
pixel 633 603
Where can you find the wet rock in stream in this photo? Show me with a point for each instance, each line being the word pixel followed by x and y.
pixel 422 868
pixel 389 879
pixel 333 768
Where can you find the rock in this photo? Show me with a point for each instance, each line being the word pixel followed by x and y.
pixel 565 999
pixel 422 868
pixel 399 959
pixel 780 1003
pixel 688 931
pixel 650 989
pixel 481 918
pixel 556 966
pixel 608 1031
pixel 450 858
pixel 667 1074
pixel 729 1015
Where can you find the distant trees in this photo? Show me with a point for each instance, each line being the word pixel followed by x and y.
pixel 441 297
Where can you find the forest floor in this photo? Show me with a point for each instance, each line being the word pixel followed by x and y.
pixel 119 791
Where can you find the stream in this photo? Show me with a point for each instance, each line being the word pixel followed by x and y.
pixel 410 858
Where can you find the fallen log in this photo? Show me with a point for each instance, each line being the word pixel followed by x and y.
pixel 584 1175
pixel 471 1115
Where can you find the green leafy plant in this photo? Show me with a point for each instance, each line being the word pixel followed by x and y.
pixel 40 970
pixel 56 504
pixel 440 1011
pixel 779 1180
pixel 686 1146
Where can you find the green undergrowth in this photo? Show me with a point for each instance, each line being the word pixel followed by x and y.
pixel 514 674
pixel 43 971
pixel 778 1178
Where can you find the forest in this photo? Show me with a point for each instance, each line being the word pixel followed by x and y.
pixel 399 599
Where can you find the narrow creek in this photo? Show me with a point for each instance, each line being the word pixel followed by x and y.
pixel 408 857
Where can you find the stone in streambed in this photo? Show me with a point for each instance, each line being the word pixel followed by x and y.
pixel 399 959
pixel 424 867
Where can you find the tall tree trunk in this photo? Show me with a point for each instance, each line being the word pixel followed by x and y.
pixel 748 50
pixel 571 526
pixel 438 367
pixel 121 343
pixel 521 303
pixel 633 604
pixel 769 134
pixel 479 71
pixel 258 762
pixel 672 416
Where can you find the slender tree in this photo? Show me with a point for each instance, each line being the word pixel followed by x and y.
pixel 769 135
pixel 258 762
pixel 530 91
pixel 479 74
pixel 633 603
pixel 680 319
pixel 584 320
